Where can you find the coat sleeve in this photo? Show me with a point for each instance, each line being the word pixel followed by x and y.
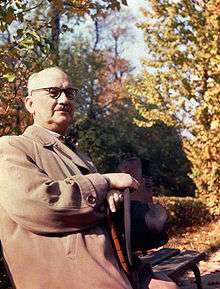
pixel 38 203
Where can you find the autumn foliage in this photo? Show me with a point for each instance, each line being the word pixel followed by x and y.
pixel 175 101
pixel 30 34
pixel 180 86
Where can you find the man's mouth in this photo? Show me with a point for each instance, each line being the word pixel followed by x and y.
pixel 64 109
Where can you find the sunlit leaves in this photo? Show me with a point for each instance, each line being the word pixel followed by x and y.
pixel 28 44
pixel 10 77
pixel 181 85
pixel 7 16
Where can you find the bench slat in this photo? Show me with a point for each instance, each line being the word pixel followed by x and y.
pixel 159 256
pixel 179 264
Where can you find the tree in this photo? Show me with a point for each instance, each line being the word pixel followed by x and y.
pixel 30 41
pixel 100 76
pixel 99 70
pixel 181 83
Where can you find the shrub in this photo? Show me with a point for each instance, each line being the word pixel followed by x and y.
pixel 184 212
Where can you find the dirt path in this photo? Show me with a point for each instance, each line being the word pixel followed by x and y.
pixel 210 272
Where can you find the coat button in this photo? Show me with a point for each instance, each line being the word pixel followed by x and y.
pixel 91 199
pixel 102 209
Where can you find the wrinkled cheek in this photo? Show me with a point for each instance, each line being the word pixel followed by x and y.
pixel 46 115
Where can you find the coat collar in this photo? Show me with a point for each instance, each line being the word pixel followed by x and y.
pixel 47 139
pixel 41 135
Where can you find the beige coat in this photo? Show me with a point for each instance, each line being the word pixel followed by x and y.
pixel 51 216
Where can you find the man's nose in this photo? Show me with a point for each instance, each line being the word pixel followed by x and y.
pixel 63 98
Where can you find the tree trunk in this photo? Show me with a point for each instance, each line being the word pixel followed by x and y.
pixel 55 33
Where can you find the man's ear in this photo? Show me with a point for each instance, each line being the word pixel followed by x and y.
pixel 29 104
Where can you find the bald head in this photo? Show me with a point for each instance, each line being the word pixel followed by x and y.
pixel 50 99
pixel 45 78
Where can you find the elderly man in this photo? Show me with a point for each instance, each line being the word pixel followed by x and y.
pixel 51 202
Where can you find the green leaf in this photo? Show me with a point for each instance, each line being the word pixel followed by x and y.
pixel 10 77
pixel 35 36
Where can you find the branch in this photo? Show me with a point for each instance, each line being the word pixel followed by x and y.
pixel 113 101
pixel 80 7
pixel 205 81
pixel 32 8
pixel 36 30
pixel 96 34
pixel 6 3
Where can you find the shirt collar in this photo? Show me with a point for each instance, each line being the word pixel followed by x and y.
pixel 55 134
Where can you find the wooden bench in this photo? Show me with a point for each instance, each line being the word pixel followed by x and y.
pixel 5 282
pixel 174 263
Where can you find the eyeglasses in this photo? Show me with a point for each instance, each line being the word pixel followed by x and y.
pixel 55 92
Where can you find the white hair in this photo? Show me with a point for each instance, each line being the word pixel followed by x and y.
pixel 34 79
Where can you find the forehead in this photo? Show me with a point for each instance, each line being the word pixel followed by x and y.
pixel 49 78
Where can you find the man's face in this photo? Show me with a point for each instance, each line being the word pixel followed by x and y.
pixel 51 108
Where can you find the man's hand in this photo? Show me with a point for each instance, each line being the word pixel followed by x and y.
pixel 114 198
pixel 121 181
pixel 118 181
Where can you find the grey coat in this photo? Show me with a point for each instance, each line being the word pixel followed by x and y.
pixel 51 215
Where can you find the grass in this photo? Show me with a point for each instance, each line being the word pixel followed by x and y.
pixel 200 237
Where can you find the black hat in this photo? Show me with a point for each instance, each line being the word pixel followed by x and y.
pixel 148 225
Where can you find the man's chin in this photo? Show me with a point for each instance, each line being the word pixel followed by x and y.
pixel 62 122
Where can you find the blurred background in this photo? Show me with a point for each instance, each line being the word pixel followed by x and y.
pixel 148 75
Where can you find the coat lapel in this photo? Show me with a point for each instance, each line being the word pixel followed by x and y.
pixel 48 140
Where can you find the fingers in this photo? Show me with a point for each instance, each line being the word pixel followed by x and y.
pixel 113 199
pixel 111 204
pixel 135 184
pixel 121 181
pixel 121 198
pixel 116 197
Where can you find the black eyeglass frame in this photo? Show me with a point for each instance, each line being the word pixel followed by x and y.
pixel 59 91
